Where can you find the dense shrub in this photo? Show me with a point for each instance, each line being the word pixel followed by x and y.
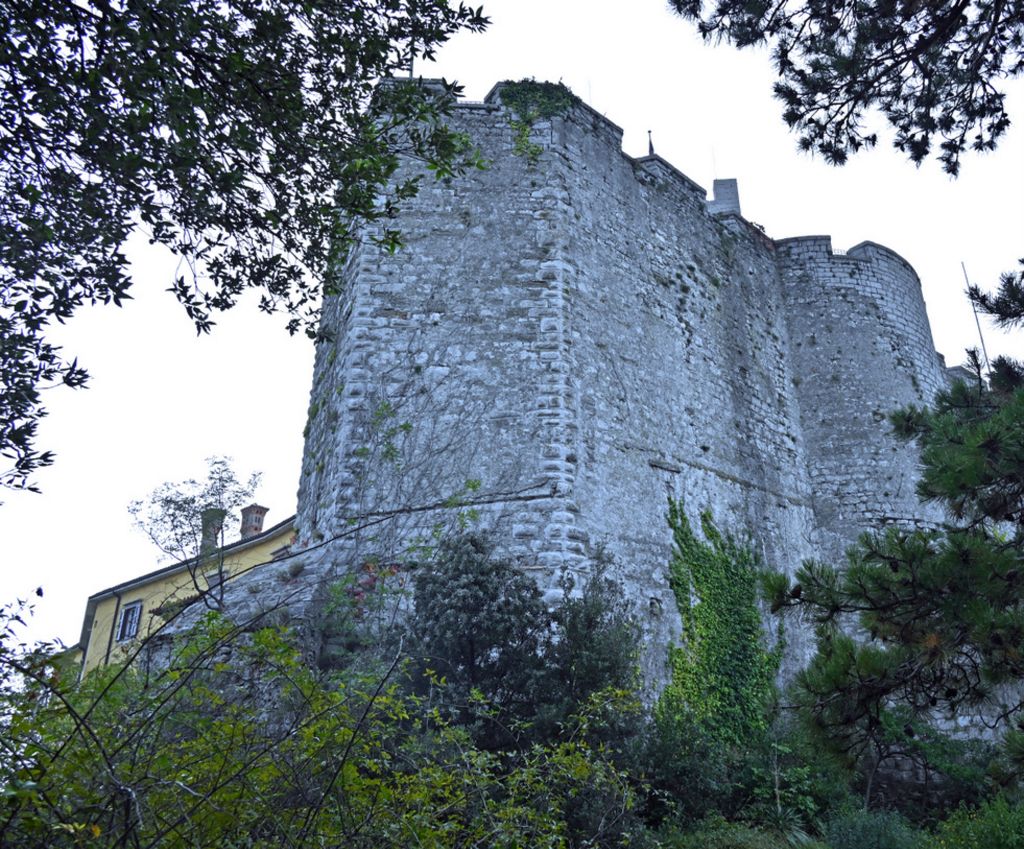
pixel 872 830
pixel 795 787
pixel 238 742
pixel 479 628
pixel 688 773
pixel 592 650
pixel 717 834
pixel 496 660
pixel 491 658
pixel 995 825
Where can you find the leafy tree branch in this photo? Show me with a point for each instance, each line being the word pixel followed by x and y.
pixel 244 137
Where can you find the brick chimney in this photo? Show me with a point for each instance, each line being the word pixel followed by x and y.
pixel 213 522
pixel 252 520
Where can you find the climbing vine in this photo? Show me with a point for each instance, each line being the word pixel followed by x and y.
pixel 531 101
pixel 723 674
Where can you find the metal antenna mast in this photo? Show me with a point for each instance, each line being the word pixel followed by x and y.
pixel 977 321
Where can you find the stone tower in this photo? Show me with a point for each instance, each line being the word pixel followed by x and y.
pixel 572 335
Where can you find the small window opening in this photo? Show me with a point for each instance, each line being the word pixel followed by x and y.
pixel 128 625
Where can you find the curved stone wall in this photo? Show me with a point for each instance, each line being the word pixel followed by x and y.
pixel 861 348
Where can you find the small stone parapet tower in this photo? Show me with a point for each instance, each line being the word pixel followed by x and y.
pixel 572 335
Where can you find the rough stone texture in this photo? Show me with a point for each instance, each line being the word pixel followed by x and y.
pixel 585 335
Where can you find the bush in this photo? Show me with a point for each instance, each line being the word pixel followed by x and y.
pixel 717 834
pixel 995 825
pixel 592 652
pixel 817 773
pixel 237 742
pixel 514 672
pixel 794 787
pixel 479 626
pixel 688 773
pixel 872 830
pixel 780 784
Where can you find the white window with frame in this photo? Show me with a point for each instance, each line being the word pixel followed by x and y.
pixel 128 624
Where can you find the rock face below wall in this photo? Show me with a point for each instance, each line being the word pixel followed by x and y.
pixel 567 340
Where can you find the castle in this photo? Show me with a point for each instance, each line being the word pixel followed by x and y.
pixel 572 335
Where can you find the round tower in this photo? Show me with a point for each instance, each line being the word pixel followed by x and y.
pixel 861 348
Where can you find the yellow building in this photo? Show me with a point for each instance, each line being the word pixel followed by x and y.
pixel 117 618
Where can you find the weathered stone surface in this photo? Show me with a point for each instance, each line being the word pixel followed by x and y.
pixel 586 335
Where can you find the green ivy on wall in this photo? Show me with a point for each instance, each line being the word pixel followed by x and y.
pixel 531 101
pixel 723 675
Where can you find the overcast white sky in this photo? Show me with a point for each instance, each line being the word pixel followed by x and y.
pixel 160 400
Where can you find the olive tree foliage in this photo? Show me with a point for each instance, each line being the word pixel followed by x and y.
pixel 932 69
pixel 186 519
pixel 246 137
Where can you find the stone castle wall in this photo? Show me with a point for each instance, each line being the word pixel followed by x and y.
pixel 567 342
pixel 861 347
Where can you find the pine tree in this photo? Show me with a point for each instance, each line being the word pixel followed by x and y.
pixel 1006 306
pixel 933 70
pixel 927 625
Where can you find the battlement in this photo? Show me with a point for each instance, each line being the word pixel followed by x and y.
pixel 725 197
pixel 820 246
pixel 873 251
